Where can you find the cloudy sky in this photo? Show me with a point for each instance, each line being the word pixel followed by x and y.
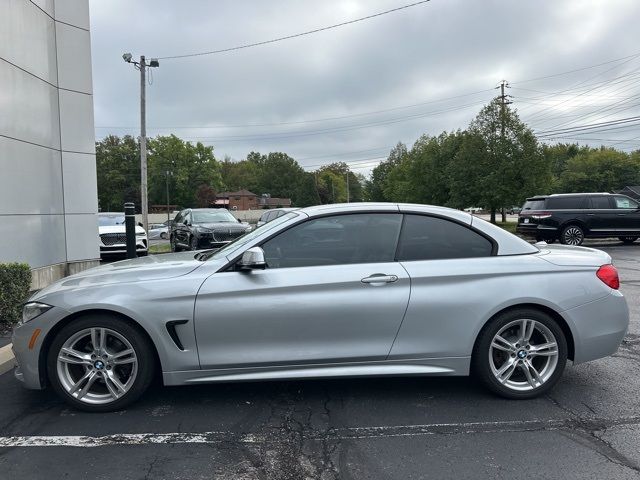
pixel 351 93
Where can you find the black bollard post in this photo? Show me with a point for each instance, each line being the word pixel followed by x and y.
pixel 130 226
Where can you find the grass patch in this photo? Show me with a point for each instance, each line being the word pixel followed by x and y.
pixel 508 226
pixel 160 248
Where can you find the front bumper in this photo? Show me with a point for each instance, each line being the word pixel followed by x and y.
pixel 30 367
pixel 598 327
pixel 118 249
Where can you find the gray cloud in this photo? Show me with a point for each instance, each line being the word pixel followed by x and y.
pixel 439 50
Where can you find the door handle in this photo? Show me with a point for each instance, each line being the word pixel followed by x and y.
pixel 621 214
pixel 380 278
pixel 590 214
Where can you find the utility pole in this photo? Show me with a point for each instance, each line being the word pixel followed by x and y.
pixel 168 212
pixel 347 186
pixel 143 143
pixel 142 65
pixel 503 104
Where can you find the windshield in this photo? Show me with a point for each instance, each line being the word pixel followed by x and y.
pixel 243 240
pixel 110 220
pixel 212 216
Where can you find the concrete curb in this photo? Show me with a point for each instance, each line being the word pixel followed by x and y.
pixel 6 359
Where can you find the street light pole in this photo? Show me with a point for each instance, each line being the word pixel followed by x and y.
pixel 142 65
pixel 143 143
pixel 168 216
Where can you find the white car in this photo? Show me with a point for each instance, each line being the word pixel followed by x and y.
pixel 158 231
pixel 113 237
pixel 473 210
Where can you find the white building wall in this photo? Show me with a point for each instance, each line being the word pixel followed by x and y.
pixel 48 191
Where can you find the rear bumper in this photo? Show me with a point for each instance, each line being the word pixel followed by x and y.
pixel 598 327
pixel 535 230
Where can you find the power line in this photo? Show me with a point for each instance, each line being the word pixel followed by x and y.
pixel 295 35
pixel 316 120
pixel 577 69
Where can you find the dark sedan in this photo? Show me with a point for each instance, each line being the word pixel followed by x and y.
pixel 199 228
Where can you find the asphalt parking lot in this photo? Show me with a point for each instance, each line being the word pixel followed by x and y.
pixel 588 427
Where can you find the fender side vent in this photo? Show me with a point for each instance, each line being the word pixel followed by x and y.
pixel 171 329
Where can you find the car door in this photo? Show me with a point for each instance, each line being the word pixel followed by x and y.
pixel 331 293
pixel 450 266
pixel 602 217
pixel 627 216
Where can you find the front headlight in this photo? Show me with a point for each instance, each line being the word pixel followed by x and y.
pixel 204 230
pixel 248 229
pixel 32 310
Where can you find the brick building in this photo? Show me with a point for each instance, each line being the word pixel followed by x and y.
pixel 246 200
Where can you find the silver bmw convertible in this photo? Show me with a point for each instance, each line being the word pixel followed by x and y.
pixel 327 291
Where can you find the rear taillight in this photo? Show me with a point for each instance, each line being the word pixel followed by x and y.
pixel 609 276
pixel 541 215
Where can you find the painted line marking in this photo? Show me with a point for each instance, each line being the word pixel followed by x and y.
pixel 351 433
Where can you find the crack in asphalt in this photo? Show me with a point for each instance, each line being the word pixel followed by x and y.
pixel 347 433
pixel 585 432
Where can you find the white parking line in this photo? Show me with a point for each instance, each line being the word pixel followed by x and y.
pixel 352 433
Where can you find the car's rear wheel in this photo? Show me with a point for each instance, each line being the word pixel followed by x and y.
pixel 520 354
pixel 627 240
pixel 572 235
pixel 164 235
pixel 100 363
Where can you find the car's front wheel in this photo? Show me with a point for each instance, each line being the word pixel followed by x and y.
pixel 100 363
pixel 174 244
pixel 194 243
pixel 628 240
pixel 572 235
pixel 520 354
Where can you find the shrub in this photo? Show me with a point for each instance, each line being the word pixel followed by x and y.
pixel 15 283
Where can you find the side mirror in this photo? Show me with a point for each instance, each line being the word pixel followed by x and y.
pixel 186 222
pixel 253 258
pixel 239 221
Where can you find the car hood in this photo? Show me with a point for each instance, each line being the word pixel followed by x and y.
pixel 153 267
pixel 565 255
pixel 118 229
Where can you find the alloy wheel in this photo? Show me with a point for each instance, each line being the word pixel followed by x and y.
pixel 523 355
pixel 97 366
pixel 573 236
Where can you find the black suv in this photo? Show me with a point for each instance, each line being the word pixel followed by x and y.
pixel 572 217
pixel 196 228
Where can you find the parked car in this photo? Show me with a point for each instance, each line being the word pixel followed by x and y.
pixel 198 228
pixel 473 209
pixel 113 238
pixel 269 215
pixel 514 210
pixel 158 231
pixel 572 217
pixel 327 291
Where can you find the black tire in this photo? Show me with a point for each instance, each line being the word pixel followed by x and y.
pixel 146 360
pixel 572 235
pixel 193 243
pixel 480 362
pixel 143 254
pixel 164 236
pixel 628 240
pixel 173 244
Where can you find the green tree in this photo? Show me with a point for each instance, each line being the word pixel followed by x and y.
pixel 601 170
pixel 192 165
pixel 511 163
pixel 118 172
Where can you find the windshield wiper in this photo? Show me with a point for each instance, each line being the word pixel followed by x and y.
pixel 205 254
